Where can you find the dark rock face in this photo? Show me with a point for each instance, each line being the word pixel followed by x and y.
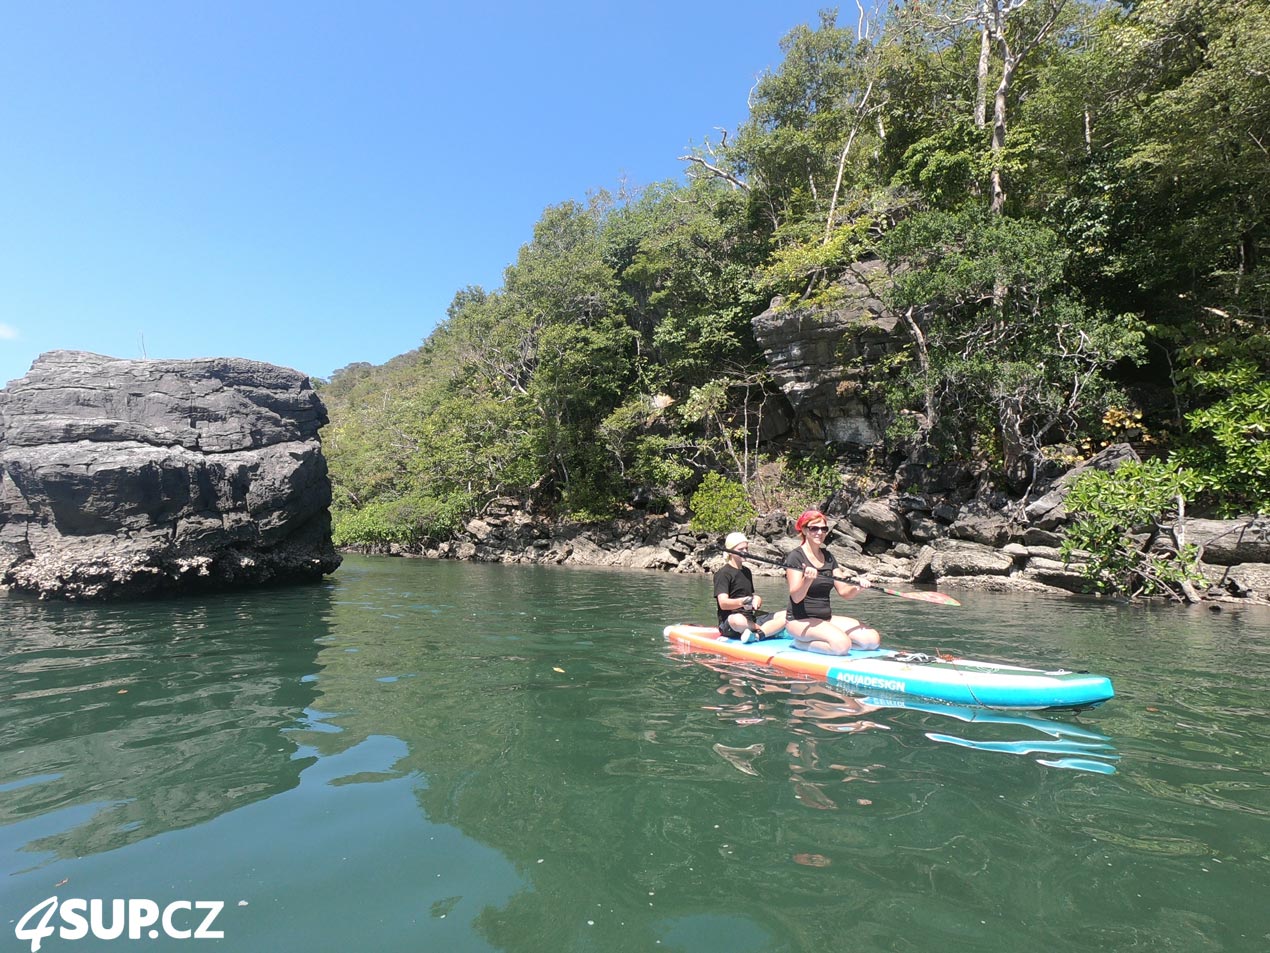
pixel 1048 511
pixel 126 477
pixel 819 357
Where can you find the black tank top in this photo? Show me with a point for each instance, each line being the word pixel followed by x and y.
pixel 815 604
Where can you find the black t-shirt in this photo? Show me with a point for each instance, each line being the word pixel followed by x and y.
pixel 815 604
pixel 733 583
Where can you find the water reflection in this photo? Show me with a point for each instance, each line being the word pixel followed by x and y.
pixel 119 723
pixel 754 694
pixel 472 757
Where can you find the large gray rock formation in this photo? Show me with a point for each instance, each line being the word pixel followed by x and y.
pixel 819 356
pixel 1049 511
pixel 122 477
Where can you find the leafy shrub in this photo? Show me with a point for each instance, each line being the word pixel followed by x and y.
pixel 1230 448
pixel 1118 519
pixel 584 503
pixel 656 465
pixel 403 521
pixel 594 492
pixel 720 505
pixel 794 484
pixel 804 265
pixel 369 526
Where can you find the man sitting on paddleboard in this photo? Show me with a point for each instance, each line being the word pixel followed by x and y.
pixel 812 574
pixel 737 603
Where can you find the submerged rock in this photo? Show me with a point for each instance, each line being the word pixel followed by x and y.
pixel 128 477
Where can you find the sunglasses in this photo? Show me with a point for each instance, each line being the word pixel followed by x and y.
pixel 817 529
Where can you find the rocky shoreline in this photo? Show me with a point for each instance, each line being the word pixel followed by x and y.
pixel 126 478
pixel 895 540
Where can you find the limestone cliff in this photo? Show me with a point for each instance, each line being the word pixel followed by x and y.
pixel 820 356
pixel 126 477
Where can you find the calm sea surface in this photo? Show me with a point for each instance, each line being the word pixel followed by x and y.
pixel 432 757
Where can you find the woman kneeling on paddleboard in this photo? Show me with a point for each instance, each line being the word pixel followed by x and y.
pixel 810 573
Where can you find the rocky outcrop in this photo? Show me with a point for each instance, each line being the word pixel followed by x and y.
pixel 985 543
pixel 122 477
pixel 818 357
pixel 1048 511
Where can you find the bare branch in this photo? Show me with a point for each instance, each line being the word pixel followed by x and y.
pixel 749 97
pixel 842 159
pixel 714 169
pixel 1055 9
pixel 953 22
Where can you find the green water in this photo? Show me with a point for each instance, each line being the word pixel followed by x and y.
pixel 421 756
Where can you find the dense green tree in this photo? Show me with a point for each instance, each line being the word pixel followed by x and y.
pixel 685 263
pixel 1071 197
pixel 1012 372
pixel 787 155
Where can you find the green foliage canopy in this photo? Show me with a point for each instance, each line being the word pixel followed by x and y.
pixel 618 360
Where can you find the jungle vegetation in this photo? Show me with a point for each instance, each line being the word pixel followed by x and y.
pixel 1071 197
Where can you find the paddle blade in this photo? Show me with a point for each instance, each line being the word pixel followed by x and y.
pixel 937 598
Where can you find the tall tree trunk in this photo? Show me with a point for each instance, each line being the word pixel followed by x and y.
pixel 842 161
pixel 985 55
pixel 1014 445
pixel 931 409
pixel 998 132
pixel 1009 64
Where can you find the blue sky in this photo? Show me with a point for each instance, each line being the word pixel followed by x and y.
pixel 309 183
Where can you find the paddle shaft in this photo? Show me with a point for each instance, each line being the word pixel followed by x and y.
pixel 758 559
pixel 766 559
pixel 934 598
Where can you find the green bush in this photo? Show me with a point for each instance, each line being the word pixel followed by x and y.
pixel 657 465
pixel 720 505
pixel 403 521
pixel 1118 519
pixel 1229 451
pixel 594 491
pixel 584 503
pixel 814 479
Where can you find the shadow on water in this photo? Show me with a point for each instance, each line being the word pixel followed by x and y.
pixel 120 722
